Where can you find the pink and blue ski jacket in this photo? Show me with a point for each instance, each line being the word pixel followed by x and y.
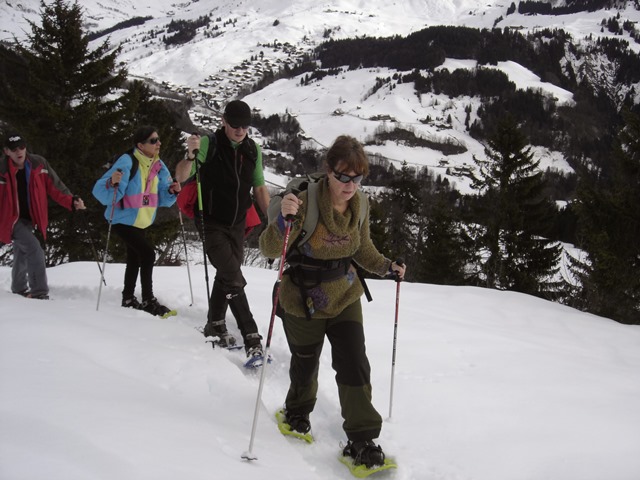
pixel 138 197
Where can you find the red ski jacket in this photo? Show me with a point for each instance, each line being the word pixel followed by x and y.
pixel 42 182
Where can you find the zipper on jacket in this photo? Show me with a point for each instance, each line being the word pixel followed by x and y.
pixel 237 172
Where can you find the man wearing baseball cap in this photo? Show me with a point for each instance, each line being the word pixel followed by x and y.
pixel 230 170
pixel 26 180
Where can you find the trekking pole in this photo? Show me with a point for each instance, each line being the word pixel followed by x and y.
pixel 186 254
pixel 399 262
pixel 248 455
pixel 106 248
pixel 201 215
pixel 93 247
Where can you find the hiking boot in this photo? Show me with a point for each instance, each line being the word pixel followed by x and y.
pixel 255 357
pixel 255 351
pixel 154 308
pixel 251 341
pixel 365 453
pixel 299 422
pixel 226 340
pixel 131 303
pixel 219 329
pixel 24 293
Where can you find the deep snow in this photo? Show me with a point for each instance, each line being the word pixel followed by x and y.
pixel 489 385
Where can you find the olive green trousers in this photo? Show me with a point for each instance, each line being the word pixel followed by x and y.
pixel 349 360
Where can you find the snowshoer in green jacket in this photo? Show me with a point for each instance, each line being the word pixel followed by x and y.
pixel 230 165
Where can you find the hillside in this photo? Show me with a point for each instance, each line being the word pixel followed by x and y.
pixel 239 43
pixel 488 386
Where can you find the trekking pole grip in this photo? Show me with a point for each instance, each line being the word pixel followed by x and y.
pixel 400 262
pixel 115 185
pixel 195 150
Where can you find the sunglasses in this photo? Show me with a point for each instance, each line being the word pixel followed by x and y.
pixel 235 127
pixel 153 140
pixel 344 178
pixel 15 149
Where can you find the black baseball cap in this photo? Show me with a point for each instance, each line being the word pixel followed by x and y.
pixel 14 140
pixel 237 114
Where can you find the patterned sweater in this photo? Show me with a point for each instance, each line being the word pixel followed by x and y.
pixel 336 236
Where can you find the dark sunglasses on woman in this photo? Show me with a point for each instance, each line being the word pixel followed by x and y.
pixel 344 178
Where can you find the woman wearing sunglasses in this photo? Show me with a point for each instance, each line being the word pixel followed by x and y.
pixel 321 296
pixel 143 183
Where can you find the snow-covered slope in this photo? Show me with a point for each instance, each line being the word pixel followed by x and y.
pixel 488 385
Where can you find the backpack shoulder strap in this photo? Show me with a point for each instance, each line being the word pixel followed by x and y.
pixel 134 164
pixel 132 171
pixel 363 208
pixel 363 215
pixel 211 147
pixel 313 212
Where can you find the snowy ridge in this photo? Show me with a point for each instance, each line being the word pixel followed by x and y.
pixel 489 386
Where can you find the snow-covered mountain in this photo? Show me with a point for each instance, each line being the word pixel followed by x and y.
pixel 241 28
pixel 243 40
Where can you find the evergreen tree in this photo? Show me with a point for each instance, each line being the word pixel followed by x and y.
pixel 443 253
pixel 401 204
pixel 445 248
pixel 69 100
pixel 514 215
pixel 608 209
pixel 64 98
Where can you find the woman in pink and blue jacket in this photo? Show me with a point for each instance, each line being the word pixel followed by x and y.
pixel 134 187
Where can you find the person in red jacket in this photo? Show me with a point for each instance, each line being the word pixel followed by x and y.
pixel 26 180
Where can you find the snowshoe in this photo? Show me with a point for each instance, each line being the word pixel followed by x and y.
pixel 295 425
pixel 154 308
pixel 364 458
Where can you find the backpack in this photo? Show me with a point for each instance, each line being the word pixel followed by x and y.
pixel 188 199
pixel 134 165
pixel 311 184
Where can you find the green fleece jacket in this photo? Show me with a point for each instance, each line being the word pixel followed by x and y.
pixel 336 236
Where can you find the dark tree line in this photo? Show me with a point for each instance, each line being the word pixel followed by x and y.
pixel 131 22
pixel 427 49
pixel 183 31
pixel 482 82
pixel 533 7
